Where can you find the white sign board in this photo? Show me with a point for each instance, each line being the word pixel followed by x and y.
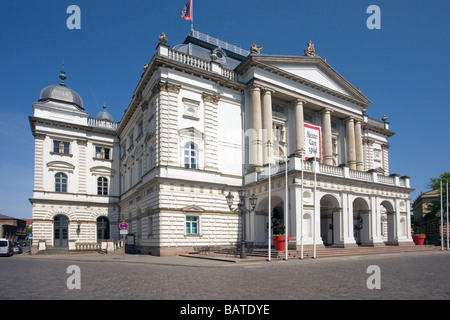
pixel 313 142
pixel 123 232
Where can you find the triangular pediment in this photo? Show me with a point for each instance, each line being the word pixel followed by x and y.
pixel 309 71
pixel 192 208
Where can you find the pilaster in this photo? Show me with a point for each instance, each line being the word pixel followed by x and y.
pixel 168 124
pixel 82 165
pixel 39 162
pixel 211 131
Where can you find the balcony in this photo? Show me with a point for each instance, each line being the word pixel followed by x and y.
pixel 210 66
pixel 102 124
pixel 295 164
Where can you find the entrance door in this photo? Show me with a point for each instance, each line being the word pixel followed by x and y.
pixel 60 231
pixel 102 228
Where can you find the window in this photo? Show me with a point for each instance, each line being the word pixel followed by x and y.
pixel 61 147
pixel 191 225
pixel 102 186
pixel 149 226
pixel 190 156
pixel 103 153
pixel 60 182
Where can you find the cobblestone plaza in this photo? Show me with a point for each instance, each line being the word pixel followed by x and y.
pixel 406 276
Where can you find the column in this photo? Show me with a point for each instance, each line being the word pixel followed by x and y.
pixel 327 146
pixel 351 155
pixel 299 128
pixel 359 146
pixel 267 125
pixel 255 157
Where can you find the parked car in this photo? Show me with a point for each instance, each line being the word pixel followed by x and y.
pixel 17 249
pixel 6 248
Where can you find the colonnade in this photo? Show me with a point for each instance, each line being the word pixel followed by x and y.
pixel 261 133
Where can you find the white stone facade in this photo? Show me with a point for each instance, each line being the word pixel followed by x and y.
pixel 199 128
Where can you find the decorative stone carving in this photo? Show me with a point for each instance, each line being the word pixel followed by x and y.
pixel 213 56
pixel 255 49
pixel 162 38
pixel 310 51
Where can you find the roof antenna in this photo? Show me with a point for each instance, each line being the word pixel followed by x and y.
pixel 62 75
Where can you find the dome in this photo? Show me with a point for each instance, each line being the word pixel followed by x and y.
pixel 61 93
pixel 104 115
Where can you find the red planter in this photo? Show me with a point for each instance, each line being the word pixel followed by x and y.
pixel 280 243
pixel 419 240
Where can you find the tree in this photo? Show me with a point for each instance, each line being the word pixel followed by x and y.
pixel 435 184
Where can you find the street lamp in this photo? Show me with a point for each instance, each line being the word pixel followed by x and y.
pixel 242 210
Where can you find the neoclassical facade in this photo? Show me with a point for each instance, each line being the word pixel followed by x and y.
pixel 205 119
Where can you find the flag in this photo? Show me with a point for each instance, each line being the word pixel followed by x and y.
pixel 186 13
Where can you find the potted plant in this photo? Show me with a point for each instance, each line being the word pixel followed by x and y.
pixel 419 239
pixel 279 236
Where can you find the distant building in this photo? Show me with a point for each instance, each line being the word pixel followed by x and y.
pixel 206 118
pixel 425 220
pixel 12 228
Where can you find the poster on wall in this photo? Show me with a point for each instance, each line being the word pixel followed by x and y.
pixel 313 142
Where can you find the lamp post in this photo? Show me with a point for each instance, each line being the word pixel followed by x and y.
pixel 242 210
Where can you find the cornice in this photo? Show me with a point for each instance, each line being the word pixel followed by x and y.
pixel 86 128
pixel 263 63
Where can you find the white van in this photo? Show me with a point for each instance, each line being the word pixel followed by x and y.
pixel 6 247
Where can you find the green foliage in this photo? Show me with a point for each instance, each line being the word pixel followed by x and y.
pixel 278 229
pixel 435 184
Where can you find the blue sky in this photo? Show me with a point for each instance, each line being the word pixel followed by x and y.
pixel 403 68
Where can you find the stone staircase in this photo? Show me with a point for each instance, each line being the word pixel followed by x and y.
pixel 324 252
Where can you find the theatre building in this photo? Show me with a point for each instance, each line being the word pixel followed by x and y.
pixel 207 118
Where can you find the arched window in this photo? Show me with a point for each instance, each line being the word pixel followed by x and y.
pixel 60 182
pixel 190 156
pixel 102 186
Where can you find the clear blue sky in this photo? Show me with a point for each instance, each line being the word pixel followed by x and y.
pixel 403 68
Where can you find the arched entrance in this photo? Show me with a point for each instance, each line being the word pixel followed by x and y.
pixel 60 231
pixel 102 228
pixel 388 215
pixel 361 221
pixel 261 218
pixel 330 220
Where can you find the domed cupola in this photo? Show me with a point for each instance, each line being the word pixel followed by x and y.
pixel 61 93
pixel 104 115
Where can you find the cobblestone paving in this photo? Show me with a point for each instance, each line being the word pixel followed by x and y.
pixel 424 275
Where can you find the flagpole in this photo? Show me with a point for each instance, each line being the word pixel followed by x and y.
pixel 301 206
pixel 447 218
pixel 315 207
pixel 192 15
pixel 442 221
pixel 286 207
pixel 270 206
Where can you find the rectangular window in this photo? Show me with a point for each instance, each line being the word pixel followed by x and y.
pixel 60 182
pixel 191 225
pixel 103 153
pixel 61 147
pixel 102 186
